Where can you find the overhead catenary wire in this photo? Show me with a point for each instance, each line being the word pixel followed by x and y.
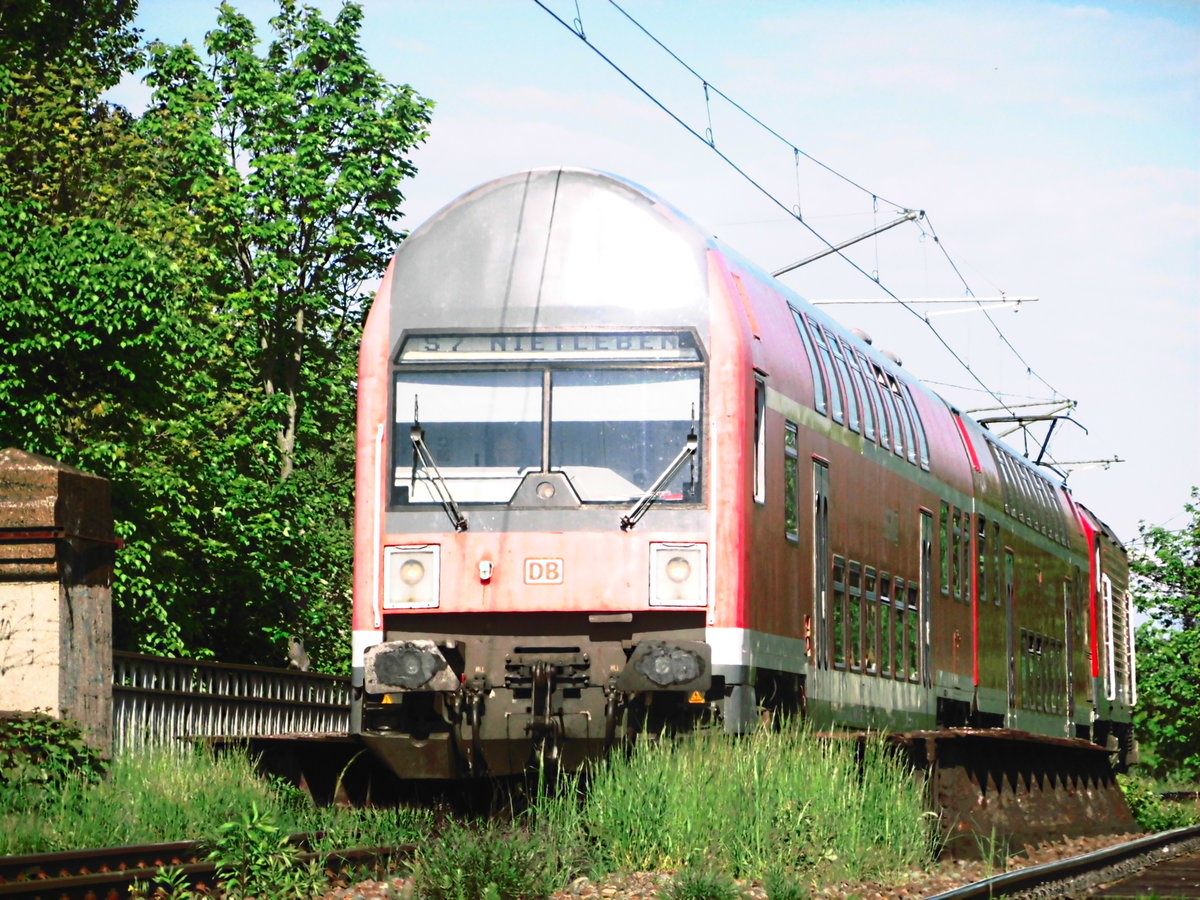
pixel 576 28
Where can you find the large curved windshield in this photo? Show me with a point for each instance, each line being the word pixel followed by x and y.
pixel 611 431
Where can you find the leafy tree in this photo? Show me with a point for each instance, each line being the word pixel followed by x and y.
pixel 99 268
pixel 291 163
pixel 306 150
pixel 92 36
pixel 182 308
pixel 1167 586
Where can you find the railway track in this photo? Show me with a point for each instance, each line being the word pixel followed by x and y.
pixel 1109 872
pixel 110 873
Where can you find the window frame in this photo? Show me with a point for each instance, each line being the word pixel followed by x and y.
pixel 545 371
pixel 791 481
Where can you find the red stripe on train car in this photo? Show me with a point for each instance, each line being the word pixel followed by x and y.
pixel 962 432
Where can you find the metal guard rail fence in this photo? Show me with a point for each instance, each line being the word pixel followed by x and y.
pixel 159 700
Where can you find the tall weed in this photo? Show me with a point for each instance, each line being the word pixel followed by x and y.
pixel 172 794
pixel 780 801
pixel 469 863
pixel 1150 810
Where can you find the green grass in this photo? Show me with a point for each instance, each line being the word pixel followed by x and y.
pixel 780 806
pixel 163 794
pixel 782 801
pixel 1150 811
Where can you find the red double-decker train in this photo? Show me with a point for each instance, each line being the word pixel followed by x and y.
pixel 613 477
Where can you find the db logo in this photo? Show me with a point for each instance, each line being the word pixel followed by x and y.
pixel 543 571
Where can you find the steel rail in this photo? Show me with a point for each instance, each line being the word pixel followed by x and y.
pixel 111 872
pixel 1065 871
pixel 42 866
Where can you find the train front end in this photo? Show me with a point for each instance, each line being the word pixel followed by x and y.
pixel 532 556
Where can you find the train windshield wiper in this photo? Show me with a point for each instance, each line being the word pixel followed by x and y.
pixel 422 454
pixel 644 502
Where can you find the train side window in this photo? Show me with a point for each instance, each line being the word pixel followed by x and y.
pixel 1005 478
pixel 868 401
pixel 885 622
pixel 964 562
pixel 902 409
pixel 839 360
pixel 1039 502
pixel 1019 501
pixel 911 639
pixel 871 622
pixel 839 612
pixel 1035 500
pixel 1060 494
pixel 899 628
pixel 814 365
pixel 944 547
pixel 835 389
pixel 1081 623
pixel 855 619
pixel 791 482
pixel 1048 509
pixel 922 438
pixel 900 434
pixel 981 559
pixel 925 596
pixel 760 439
pixel 889 400
pixel 955 554
pixel 820 564
pixel 996 562
pixel 885 437
pixel 1027 504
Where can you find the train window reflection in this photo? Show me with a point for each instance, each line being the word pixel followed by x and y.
pixel 482 428
pixel 614 431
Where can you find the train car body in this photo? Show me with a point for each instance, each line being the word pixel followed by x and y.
pixel 613 477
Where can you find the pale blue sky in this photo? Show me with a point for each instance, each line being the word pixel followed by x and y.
pixel 1055 147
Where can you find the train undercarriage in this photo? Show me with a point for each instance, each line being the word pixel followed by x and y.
pixel 475 706
pixel 471 705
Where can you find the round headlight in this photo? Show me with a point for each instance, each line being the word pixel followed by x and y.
pixel 412 572
pixel 678 569
pixel 545 490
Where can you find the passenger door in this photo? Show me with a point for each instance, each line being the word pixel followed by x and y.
pixel 821 561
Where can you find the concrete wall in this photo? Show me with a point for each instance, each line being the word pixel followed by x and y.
pixel 56 555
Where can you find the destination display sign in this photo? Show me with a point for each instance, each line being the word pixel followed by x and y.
pixel 542 346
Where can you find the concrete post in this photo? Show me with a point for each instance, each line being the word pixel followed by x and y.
pixel 56 557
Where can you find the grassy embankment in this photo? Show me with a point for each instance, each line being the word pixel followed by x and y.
pixel 780 806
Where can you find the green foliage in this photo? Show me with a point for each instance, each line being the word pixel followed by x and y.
pixel 290 160
pixel 94 37
pixel 255 859
pixel 1150 811
pixel 784 886
pixel 169 883
pixel 681 803
pixel 172 794
pixel 471 863
pixel 701 884
pixel 1167 589
pixel 182 296
pixel 300 154
pixel 37 750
